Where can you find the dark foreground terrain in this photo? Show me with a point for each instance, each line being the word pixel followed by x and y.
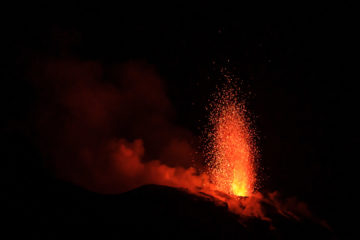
pixel 148 212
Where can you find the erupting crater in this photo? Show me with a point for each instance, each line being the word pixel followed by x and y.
pixel 230 146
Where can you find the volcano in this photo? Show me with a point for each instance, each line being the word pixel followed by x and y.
pixel 155 211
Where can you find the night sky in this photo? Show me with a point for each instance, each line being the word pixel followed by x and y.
pixel 296 62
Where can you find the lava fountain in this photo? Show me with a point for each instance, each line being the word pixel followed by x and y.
pixel 231 147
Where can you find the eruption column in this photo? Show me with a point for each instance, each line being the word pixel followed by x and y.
pixel 231 145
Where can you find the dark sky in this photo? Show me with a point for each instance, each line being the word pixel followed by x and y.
pixel 296 61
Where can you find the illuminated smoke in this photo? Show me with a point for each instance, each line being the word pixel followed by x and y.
pixel 110 129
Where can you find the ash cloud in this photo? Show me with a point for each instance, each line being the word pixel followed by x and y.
pixel 109 128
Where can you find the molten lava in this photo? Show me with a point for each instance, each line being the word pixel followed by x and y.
pixel 231 149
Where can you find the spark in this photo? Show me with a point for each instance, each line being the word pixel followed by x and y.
pixel 231 144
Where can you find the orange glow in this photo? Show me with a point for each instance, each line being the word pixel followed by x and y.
pixel 231 146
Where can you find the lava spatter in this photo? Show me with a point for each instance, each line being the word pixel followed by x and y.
pixel 231 147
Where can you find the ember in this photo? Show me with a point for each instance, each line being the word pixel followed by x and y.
pixel 231 147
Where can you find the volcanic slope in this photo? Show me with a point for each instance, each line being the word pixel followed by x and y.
pixel 152 211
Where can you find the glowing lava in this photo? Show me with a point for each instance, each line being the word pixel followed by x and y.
pixel 231 149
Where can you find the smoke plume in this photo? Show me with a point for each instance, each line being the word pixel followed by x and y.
pixel 109 128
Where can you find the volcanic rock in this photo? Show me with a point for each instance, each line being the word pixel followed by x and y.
pixel 154 211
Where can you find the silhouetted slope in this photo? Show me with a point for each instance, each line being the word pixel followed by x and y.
pixel 152 211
